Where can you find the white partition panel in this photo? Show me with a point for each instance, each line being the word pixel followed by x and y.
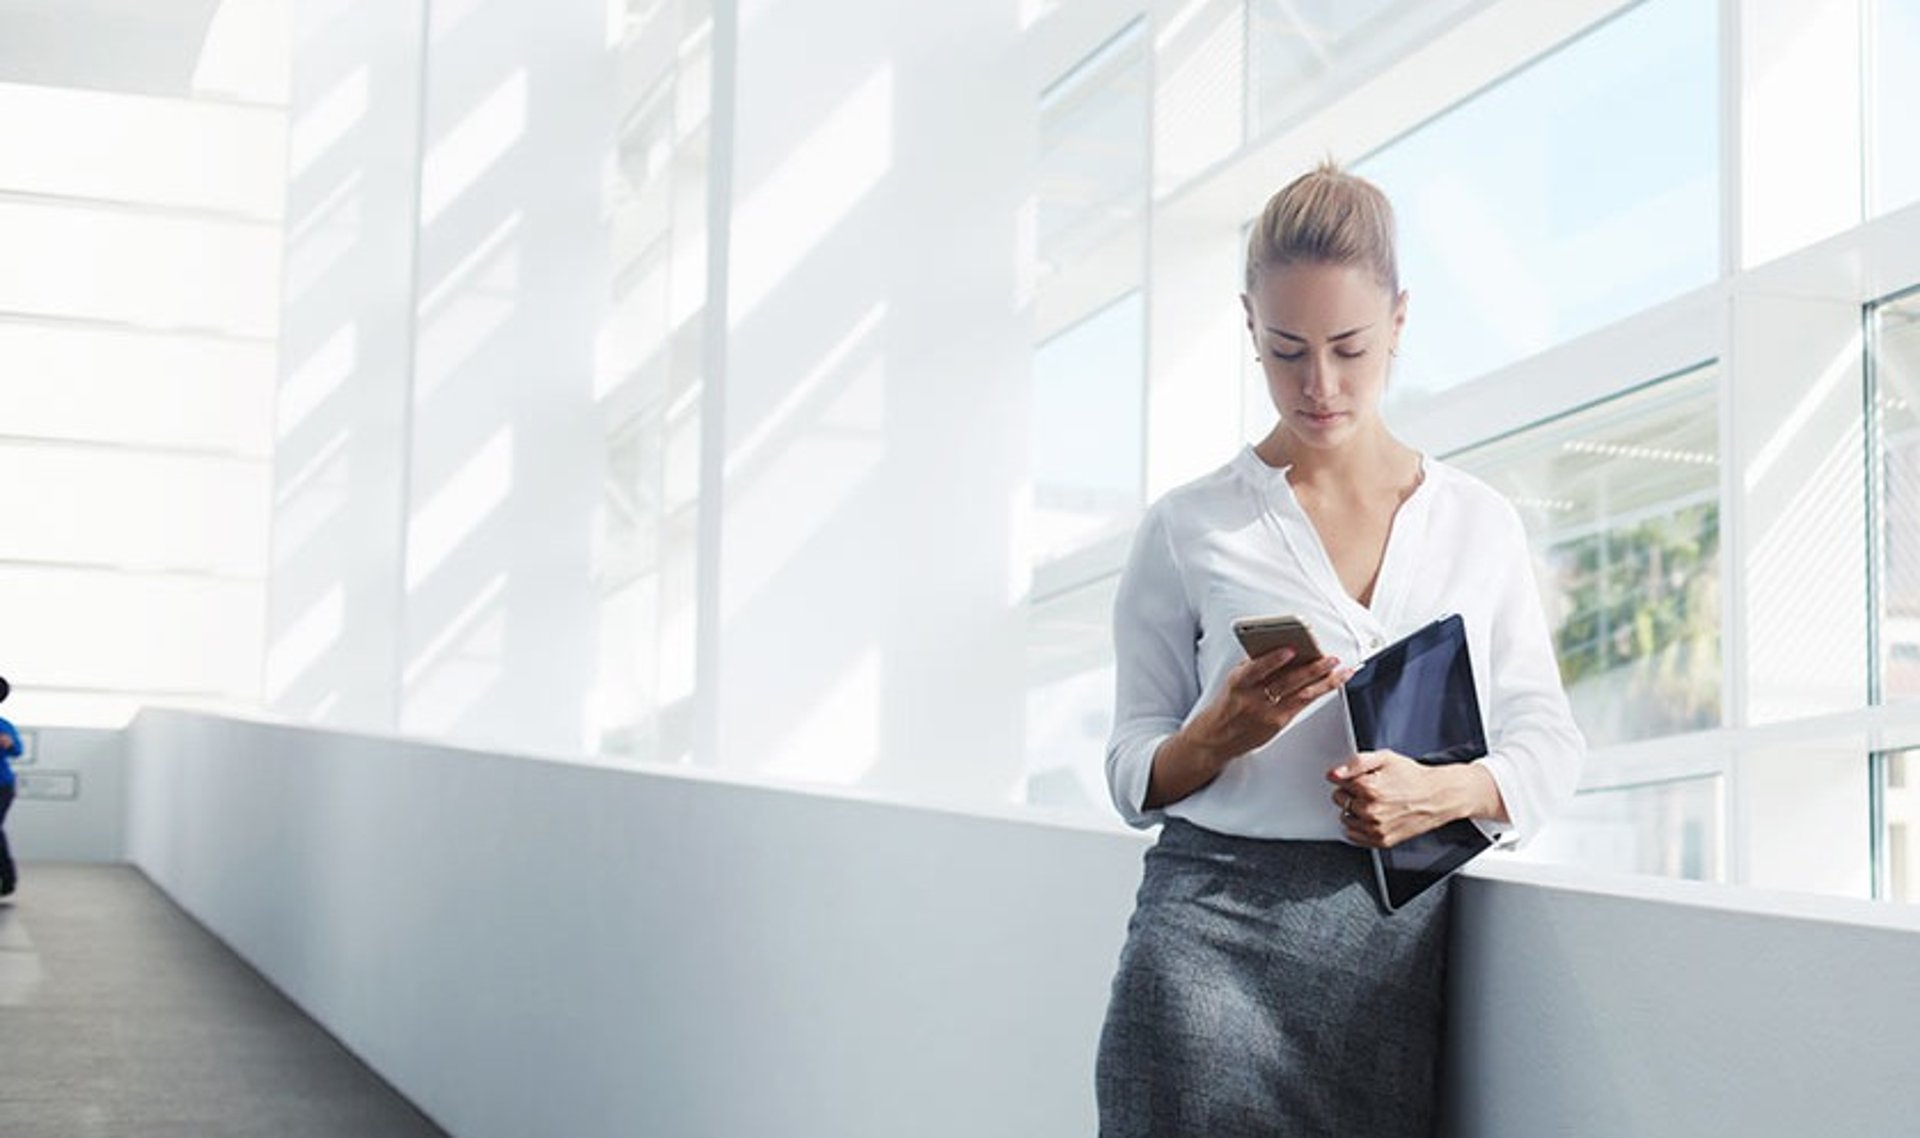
pixel 531 947
pixel 527 947
pixel 1659 1008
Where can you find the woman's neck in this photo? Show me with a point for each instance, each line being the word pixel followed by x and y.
pixel 1373 460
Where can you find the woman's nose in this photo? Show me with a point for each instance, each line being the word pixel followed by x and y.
pixel 1318 381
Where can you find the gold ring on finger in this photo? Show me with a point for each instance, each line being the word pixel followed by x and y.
pixel 1273 696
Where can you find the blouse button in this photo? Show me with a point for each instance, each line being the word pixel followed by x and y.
pixel 1373 643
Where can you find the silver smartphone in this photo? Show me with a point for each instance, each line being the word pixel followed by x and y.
pixel 1260 635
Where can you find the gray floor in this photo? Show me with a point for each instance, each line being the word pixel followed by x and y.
pixel 121 1016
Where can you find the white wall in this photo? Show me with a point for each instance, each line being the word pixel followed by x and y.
pixel 346 345
pixel 439 457
pixel 874 406
pixel 1661 1008
pixel 506 461
pixel 530 947
pixel 91 826
pixel 527 947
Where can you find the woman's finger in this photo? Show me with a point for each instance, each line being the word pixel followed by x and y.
pixel 1274 669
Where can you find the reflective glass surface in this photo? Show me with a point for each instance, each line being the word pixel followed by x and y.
pixel 1088 425
pixel 1668 828
pixel 1897 512
pixel 1577 191
pixel 1894 93
pixel 1622 503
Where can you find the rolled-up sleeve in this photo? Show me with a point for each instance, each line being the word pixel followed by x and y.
pixel 1537 749
pixel 1155 629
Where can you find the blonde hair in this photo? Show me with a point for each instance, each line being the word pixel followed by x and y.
pixel 1326 217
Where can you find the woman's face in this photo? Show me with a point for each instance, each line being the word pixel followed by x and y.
pixel 1324 335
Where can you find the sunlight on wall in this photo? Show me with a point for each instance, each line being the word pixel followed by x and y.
pixel 232 63
pixel 461 667
pixel 307 638
pixel 1802 665
pixel 459 507
pixel 460 314
pixel 825 176
pixel 311 496
pixel 840 741
pixel 808 390
pixel 320 242
pixel 474 145
pixel 830 440
pixel 1033 11
pixel 317 379
pixel 329 120
pixel 454 636
pixel 1793 428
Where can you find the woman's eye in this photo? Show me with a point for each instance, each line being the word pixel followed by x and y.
pixel 1353 355
pixel 1288 356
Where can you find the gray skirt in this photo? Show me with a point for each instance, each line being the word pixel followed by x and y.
pixel 1263 991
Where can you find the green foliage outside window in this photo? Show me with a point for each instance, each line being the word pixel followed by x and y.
pixel 1639 638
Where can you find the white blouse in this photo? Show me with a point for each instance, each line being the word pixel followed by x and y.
pixel 1237 543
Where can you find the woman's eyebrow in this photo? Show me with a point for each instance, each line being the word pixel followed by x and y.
pixel 1284 334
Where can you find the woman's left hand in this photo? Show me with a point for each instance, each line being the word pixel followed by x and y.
pixel 1385 797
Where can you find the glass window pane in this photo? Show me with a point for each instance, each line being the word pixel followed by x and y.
pixel 1199 86
pixel 1088 429
pixel 1897 376
pixel 1291 43
pixel 1621 501
pixel 1895 92
pixel 1090 230
pixel 1300 53
pixel 1669 828
pixel 1580 190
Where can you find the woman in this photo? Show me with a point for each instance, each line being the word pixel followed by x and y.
pixel 1262 989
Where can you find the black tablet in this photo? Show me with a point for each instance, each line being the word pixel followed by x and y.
pixel 1416 696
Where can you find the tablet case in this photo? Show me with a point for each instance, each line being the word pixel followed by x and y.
pixel 1416 696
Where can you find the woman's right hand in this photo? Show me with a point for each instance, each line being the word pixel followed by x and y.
pixel 1261 697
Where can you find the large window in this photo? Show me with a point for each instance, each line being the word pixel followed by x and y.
pixel 1897 506
pixel 1895 78
pixel 138 311
pixel 1299 52
pixel 1089 371
pixel 653 372
pixel 1088 411
pixel 1622 502
pixel 1576 192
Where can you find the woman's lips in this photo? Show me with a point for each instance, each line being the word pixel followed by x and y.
pixel 1323 418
